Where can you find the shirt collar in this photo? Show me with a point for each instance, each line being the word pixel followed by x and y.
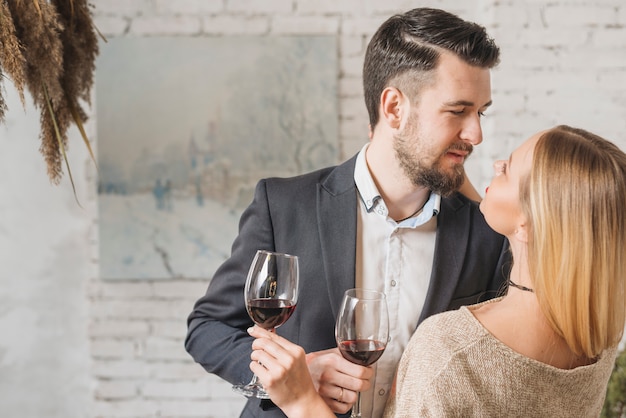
pixel 371 198
pixel 430 209
pixel 364 182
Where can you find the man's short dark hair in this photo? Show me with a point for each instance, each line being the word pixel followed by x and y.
pixel 412 42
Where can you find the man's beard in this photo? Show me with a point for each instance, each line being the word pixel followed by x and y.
pixel 430 175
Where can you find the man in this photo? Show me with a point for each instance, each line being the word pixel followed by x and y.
pixel 388 219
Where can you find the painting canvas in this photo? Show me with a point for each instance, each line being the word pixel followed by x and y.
pixel 185 129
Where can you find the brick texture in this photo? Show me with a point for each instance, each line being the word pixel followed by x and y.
pixel 562 62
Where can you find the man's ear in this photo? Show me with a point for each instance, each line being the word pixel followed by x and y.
pixel 392 103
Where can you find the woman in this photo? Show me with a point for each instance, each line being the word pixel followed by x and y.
pixel 547 348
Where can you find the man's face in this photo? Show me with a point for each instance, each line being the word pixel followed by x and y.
pixel 443 125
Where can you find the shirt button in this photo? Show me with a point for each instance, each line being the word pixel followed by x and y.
pixel 393 283
pixel 381 392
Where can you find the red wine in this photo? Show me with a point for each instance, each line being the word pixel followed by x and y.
pixel 363 352
pixel 270 313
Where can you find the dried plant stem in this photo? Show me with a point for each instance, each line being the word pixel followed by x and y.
pixel 79 125
pixel 59 138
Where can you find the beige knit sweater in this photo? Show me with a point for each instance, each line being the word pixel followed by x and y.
pixel 453 367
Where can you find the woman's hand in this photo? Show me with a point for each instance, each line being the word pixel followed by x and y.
pixel 282 369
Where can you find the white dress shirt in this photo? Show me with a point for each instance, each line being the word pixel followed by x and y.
pixel 394 258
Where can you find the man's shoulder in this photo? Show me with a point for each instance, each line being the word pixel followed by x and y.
pixel 342 173
pixel 308 177
pixel 458 208
pixel 458 201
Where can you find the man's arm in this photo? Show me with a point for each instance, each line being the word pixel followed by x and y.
pixel 216 335
pixel 220 349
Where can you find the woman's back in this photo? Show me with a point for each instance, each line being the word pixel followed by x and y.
pixel 466 371
pixel 519 314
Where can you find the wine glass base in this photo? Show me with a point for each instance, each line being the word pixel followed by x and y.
pixel 251 391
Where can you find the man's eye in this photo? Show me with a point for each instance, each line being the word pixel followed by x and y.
pixel 457 112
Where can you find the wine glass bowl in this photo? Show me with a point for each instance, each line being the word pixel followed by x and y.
pixel 362 330
pixel 270 313
pixel 362 352
pixel 271 295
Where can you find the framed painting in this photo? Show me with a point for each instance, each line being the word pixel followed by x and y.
pixel 185 129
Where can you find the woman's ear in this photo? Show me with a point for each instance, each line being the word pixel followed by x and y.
pixel 392 102
pixel 521 232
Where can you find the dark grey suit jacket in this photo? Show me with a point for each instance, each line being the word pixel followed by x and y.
pixel 314 216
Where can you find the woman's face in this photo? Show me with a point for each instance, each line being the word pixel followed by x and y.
pixel 501 205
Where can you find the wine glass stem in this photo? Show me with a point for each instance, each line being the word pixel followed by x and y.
pixel 356 408
pixel 255 379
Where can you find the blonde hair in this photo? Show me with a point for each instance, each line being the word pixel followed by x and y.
pixel 575 201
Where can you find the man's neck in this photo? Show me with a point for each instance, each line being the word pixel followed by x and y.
pixel 402 198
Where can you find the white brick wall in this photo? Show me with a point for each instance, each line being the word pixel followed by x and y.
pixel 188 7
pixel 562 61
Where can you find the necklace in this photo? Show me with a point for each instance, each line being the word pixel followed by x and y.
pixel 414 213
pixel 520 287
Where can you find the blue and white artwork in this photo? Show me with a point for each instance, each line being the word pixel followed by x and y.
pixel 185 129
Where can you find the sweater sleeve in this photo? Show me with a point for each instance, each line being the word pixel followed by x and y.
pixel 423 381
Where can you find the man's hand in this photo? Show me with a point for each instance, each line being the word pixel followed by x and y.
pixel 336 379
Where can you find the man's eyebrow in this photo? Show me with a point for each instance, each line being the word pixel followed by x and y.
pixel 466 103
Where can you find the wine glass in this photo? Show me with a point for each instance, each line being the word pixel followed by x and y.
pixel 271 294
pixel 362 330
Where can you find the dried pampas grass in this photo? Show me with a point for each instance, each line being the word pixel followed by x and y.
pixel 3 105
pixel 49 47
pixel 11 54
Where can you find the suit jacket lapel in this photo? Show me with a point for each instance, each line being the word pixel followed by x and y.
pixel 453 229
pixel 336 214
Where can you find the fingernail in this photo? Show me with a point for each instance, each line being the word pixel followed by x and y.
pixel 250 330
